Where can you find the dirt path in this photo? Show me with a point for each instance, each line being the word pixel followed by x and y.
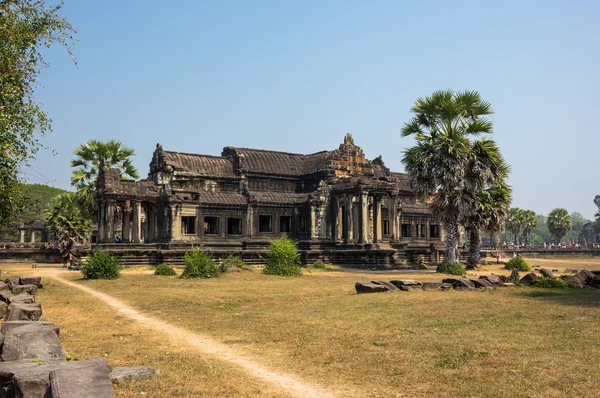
pixel 207 345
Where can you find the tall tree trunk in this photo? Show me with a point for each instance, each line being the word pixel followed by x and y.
pixel 474 243
pixel 451 242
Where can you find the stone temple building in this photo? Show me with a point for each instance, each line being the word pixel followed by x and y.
pixel 338 205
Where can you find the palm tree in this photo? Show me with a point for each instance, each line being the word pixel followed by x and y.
pixel 559 223
pixel 528 223
pixel 514 222
pixel 89 159
pixel 438 165
pixel 66 224
pixel 489 212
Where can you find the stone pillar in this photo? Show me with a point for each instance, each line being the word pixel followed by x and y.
pixel 364 218
pixel 22 239
pixel 110 221
pixel 126 223
pixel 413 230
pixel 377 233
pixel 136 234
pixel 176 224
pixel 427 231
pixel 102 222
pixel 32 236
pixel 349 221
pixel 313 222
pixel 249 221
pixel 393 217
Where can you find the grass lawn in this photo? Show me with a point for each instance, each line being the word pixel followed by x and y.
pixel 505 342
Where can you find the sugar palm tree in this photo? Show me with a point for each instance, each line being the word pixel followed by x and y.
pixel 529 222
pixel 514 222
pixel 438 165
pixel 559 223
pixel 66 224
pixel 89 158
pixel 489 212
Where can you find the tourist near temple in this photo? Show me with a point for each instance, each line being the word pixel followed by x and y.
pixel 338 205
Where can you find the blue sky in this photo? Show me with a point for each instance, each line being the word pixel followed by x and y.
pixel 297 76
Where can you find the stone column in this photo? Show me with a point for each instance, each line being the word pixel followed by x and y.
pixel 102 222
pixel 136 234
pixel 413 230
pixel 364 218
pixel 110 221
pixel 22 239
pixel 32 236
pixel 377 233
pixel 349 220
pixel 427 231
pixel 313 222
pixel 126 223
pixel 176 224
pixel 393 217
pixel 249 221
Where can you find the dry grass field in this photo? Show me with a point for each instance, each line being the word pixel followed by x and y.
pixel 508 342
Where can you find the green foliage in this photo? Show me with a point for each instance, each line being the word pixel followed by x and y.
pixel 517 263
pixel 232 262
pixel 550 283
pixel 450 268
pixel 26 27
pixel 101 265
pixel 90 158
pixel 283 258
pixel 559 223
pixel 66 224
pixel 33 201
pixel 319 265
pixel 199 264
pixel 164 269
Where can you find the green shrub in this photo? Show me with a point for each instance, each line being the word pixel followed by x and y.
pixel 319 265
pixel 199 265
pixel 283 258
pixel 164 269
pixel 550 283
pixel 517 263
pixel 101 265
pixel 232 262
pixel 450 268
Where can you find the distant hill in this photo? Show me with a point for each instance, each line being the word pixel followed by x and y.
pixel 36 197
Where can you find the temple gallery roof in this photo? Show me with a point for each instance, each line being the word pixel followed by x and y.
pixel 347 160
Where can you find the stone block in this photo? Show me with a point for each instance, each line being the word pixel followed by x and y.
pixel 459 283
pixel 23 312
pixel 367 287
pixel 31 280
pixel 482 283
pixel 508 284
pixel 575 281
pixel 547 273
pixel 28 379
pixel 9 325
pixel 3 309
pixel 30 289
pixel 529 279
pixel 6 295
pixel 22 298
pixel 387 284
pixel 514 276
pixel 35 341
pixel 405 282
pixel 85 382
pixel 125 374
pixel 493 279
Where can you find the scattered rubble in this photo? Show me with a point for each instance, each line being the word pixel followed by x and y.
pixel 33 363
pixel 580 279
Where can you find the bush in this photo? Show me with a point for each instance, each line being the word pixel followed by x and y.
pixel 283 258
pixel 450 268
pixel 319 265
pixel 199 265
pixel 517 263
pixel 550 283
pixel 164 269
pixel 101 265
pixel 232 262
